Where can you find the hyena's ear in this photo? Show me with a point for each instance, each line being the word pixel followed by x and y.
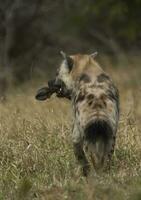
pixel 68 59
pixel 93 55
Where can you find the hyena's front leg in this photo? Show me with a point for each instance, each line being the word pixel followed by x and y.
pixel 79 152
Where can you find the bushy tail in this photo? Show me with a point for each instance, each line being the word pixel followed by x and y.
pixel 98 138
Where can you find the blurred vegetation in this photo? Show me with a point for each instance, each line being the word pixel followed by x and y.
pixel 105 20
pixel 32 32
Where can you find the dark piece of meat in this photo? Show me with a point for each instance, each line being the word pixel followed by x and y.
pixel 46 92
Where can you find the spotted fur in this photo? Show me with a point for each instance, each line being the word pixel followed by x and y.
pixel 95 102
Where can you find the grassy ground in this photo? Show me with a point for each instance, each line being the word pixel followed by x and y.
pixel 36 155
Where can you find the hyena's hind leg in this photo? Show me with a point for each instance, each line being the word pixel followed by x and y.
pixel 109 152
pixel 107 147
pixel 105 158
pixel 80 156
pixel 100 143
pixel 96 153
pixel 79 151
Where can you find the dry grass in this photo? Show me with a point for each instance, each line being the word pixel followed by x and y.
pixel 36 155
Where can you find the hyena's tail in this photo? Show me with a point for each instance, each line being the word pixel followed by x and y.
pixel 99 142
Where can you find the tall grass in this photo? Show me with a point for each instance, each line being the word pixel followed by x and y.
pixel 36 155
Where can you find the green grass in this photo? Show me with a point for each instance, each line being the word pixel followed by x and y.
pixel 36 155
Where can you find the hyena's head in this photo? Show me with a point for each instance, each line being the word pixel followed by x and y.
pixel 70 70
pixel 72 67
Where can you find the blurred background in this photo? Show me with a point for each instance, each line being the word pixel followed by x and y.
pixel 32 32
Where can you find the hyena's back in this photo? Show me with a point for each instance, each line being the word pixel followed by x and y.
pixel 96 107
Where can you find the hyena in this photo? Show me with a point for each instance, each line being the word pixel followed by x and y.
pixel 95 103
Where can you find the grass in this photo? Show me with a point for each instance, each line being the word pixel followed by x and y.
pixel 36 155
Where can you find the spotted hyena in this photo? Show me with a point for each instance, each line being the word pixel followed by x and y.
pixel 95 103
